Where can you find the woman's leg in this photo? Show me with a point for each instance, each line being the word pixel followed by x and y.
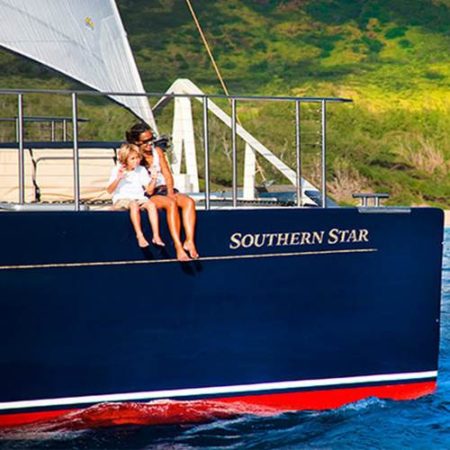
pixel 173 222
pixel 189 215
pixel 135 216
pixel 154 222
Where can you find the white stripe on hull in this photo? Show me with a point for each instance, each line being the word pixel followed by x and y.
pixel 217 390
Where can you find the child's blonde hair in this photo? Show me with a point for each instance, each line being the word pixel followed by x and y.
pixel 125 150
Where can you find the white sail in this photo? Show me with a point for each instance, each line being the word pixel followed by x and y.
pixel 84 39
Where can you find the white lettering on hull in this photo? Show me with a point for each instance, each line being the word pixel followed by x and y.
pixel 296 238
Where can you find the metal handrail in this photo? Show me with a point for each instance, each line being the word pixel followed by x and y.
pixel 324 153
pixel 298 160
pixel 234 150
pixel 375 196
pixel 206 142
pixel 205 97
pixel 159 94
pixel 20 135
pixel 52 120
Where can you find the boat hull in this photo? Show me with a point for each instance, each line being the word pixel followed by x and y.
pixel 287 308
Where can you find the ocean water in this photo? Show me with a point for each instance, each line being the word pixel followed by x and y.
pixel 368 424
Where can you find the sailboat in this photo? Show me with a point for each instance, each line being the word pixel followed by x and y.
pixel 289 308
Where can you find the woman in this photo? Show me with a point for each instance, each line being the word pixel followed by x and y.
pixel 163 193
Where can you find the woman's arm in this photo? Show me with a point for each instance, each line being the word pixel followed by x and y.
pixel 151 186
pixel 165 170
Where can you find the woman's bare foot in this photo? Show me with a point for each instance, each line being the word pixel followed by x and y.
pixel 142 242
pixel 158 241
pixel 190 248
pixel 182 255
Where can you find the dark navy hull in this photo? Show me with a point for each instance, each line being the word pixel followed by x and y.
pixel 290 321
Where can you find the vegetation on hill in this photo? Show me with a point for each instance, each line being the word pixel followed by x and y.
pixel 391 57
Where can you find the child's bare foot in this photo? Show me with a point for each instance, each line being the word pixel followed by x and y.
pixel 158 241
pixel 182 255
pixel 142 242
pixel 190 248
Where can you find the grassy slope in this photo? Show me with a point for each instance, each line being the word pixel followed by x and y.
pixel 390 57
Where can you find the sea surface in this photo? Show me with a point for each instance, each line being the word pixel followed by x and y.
pixel 368 424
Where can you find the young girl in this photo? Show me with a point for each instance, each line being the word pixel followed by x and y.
pixel 127 184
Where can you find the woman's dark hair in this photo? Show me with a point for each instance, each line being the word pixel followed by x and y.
pixel 132 135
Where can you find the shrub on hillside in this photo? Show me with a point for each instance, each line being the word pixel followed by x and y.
pixel 346 181
pixel 422 154
pixel 395 32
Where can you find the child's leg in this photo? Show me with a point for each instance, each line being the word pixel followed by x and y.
pixel 154 222
pixel 135 216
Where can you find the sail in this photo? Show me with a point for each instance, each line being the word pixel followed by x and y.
pixel 84 39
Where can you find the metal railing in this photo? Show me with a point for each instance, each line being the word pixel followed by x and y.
pixel 53 121
pixel 323 101
pixel 375 197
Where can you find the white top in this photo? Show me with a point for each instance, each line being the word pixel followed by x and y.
pixel 132 185
pixel 156 169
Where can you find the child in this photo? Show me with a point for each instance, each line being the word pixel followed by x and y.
pixel 127 184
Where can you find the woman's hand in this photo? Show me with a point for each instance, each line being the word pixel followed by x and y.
pixel 166 173
pixel 151 186
pixel 153 173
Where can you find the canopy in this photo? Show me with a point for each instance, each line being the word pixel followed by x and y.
pixel 84 39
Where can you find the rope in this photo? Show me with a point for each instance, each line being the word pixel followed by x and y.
pixel 216 68
pixel 205 42
pixel 173 261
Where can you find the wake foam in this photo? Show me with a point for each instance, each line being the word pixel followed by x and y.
pixel 160 412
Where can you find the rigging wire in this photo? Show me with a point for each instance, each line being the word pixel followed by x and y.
pixel 208 49
pixel 259 169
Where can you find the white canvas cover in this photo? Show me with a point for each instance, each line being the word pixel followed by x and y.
pixel 52 172
pixel 84 39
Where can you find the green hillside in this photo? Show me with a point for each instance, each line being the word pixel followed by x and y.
pixel 391 57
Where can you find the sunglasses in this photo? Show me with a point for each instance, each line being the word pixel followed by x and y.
pixel 147 141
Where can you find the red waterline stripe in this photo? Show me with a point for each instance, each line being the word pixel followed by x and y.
pixel 289 401
pixel 334 398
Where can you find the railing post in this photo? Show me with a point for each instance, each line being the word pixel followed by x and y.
pixel 324 154
pixel 298 154
pixel 52 132
pixel 206 143
pixel 20 135
pixel 234 151
pixel 76 157
pixel 17 129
